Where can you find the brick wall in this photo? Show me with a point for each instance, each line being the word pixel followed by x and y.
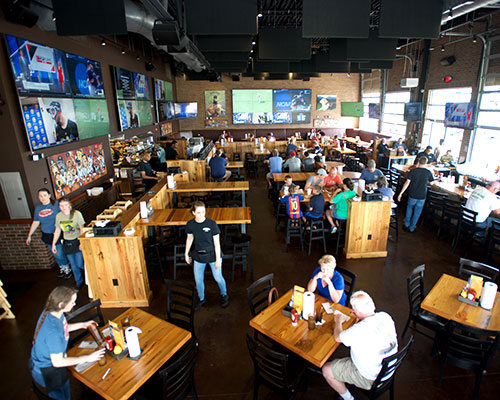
pixel 346 88
pixel 14 254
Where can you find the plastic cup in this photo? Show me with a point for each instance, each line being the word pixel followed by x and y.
pixel 311 322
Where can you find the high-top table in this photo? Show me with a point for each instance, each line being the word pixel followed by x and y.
pixel 159 341
pixel 315 346
pixel 443 300
pixel 193 187
pixel 296 176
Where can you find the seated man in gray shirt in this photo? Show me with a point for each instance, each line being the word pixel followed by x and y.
pixel 293 163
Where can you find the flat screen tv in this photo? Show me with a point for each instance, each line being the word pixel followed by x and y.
pixel 351 109
pixel 271 106
pixel 413 112
pixel 460 115
pixel 164 97
pixel 186 110
pixel 374 110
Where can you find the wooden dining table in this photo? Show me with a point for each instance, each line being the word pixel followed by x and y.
pixel 315 346
pixel 159 341
pixel 452 188
pixel 180 217
pixel 296 176
pixel 443 300
pixel 193 187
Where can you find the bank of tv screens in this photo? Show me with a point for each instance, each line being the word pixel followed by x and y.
pixel 186 110
pixel 460 115
pixel 134 104
pixel 413 112
pixel 271 106
pixel 61 94
pixel 164 97
pixel 351 109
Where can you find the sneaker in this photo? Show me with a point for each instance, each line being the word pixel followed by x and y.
pixel 61 273
pixel 224 301
pixel 334 229
pixel 68 275
pixel 405 228
pixel 200 304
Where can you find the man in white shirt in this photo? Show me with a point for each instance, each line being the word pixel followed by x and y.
pixel 371 340
pixel 483 200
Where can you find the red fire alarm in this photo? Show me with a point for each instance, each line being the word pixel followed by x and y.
pixel 447 79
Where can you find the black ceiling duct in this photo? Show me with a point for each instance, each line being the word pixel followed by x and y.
pixel 18 14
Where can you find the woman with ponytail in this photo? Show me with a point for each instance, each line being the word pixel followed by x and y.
pixel 48 360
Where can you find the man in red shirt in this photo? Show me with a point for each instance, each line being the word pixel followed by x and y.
pixel 333 178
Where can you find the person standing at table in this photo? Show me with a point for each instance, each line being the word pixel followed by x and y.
pixel 483 200
pixel 45 215
pixel 370 174
pixel 205 234
pixel 70 222
pixel 416 183
pixel 218 167
pixel 48 359
pixel 328 282
pixel 371 340
pixel 275 166
pixel 149 178
pixel 381 149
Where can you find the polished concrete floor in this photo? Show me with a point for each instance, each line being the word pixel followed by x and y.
pixel 224 369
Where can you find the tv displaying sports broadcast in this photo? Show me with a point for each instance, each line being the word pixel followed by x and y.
pixel 351 109
pixel 164 96
pixel 460 115
pixel 186 110
pixel 271 106
pixel 134 114
pixel 92 117
pixel 131 85
pixel 413 112
pixel 85 76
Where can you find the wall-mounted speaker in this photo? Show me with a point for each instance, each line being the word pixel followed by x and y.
pixel 166 33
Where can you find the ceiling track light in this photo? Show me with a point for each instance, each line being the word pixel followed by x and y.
pixel 442 47
pixel 474 39
pixel 254 43
pixel 103 43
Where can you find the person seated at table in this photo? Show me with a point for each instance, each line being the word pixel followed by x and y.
pixel 400 146
pixel 382 187
pixel 171 151
pixel 291 146
pixel 275 166
pixel 318 179
pixel 251 137
pixel 447 158
pixel 336 142
pixel 293 163
pixel 315 147
pixel 483 200
pixel 218 167
pixel 48 360
pixel 149 178
pixel 316 207
pixel 308 162
pixel 431 158
pixel 370 174
pixel 339 209
pixel 270 137
pixel 318 163
pixel 333 178
pixel 292 201
pixel 288 183
pixel 205 234
pixel 328 282
pixel 371 339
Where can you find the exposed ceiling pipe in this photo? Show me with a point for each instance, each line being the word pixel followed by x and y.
pixel 467 8
pixel 140 21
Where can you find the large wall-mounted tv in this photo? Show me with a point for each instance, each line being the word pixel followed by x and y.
pixel 460 115
pixel 351 109
pixel 272 106
pixel 186 110
pixel 413 112
pixel 61 94
pixel 134 105
pixel 164 97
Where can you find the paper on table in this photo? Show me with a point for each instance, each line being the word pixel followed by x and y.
pixel 88 344
pixel 84 365
pixel 328 308
pixel 343 316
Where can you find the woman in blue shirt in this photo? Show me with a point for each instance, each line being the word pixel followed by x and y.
pixel 45 215
pixel 50 341
pixel 328 282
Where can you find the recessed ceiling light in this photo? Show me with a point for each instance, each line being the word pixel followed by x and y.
pixel 259 15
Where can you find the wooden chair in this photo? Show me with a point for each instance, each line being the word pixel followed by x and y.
pixel 450 216
pixel 394 219
pixel 85 313
pixel 386 376
pixel 469 267
pixel 467 228
pixel 278 371
pixel 180 304
pixel 415 288
pixel 349 281
pixel 258 293
pixel 179 257
pixel 468 348
pixel 434 205
pixel 493 243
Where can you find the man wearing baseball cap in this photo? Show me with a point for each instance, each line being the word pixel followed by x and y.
pixel 318 179
pixel 293 163
pixel 66 129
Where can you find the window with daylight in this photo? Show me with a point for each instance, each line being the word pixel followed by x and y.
pixel 366 123
pixel 393 122
pixel 434 129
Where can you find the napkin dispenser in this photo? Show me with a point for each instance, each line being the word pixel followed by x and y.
pixel 111 228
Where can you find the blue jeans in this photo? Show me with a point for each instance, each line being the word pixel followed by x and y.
pixel 199 278
pixel 60 257
pixel 413 210
pixel 63 393
pixel 77 266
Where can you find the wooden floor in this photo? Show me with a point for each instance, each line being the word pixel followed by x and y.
pixel 224 369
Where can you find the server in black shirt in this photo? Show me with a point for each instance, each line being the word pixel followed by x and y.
pixel 431 158
pixel 171 151
pixel 205 235
pixel 416 183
